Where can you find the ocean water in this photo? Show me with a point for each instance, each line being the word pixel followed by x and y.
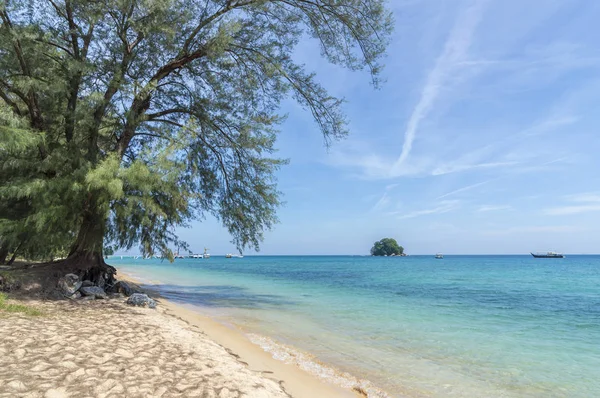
pixel 464 326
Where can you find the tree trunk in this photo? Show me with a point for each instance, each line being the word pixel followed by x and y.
pixel 3 252
pixel 14 256
pixel 85 258
pixel 12 259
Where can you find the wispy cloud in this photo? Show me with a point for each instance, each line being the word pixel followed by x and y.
pixel 486 208
pixel 454 54
pixel 570 210
pixel 534 229
pixel 382 203
pixel 385 198
pixel 550 124
pixel 585 197
pixel 439 208
pixel 510 153
pixel 579 203
pixel 463 189
pixel 472 115
pixel 454 168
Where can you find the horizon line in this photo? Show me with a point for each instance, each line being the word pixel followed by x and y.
pixel 369 255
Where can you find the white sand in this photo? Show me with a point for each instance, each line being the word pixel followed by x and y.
pixel 109 349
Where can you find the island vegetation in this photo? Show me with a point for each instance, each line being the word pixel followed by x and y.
pixel 120 120
pixel 387 247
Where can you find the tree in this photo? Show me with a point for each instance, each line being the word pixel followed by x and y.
pixel 387 247
pixel 121 119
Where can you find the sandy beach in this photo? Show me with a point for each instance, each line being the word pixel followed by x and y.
pixel 105 348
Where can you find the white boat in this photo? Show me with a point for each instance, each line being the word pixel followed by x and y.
pixel 205 254
pixel 228 255
pixel 549 254
pixel 439 255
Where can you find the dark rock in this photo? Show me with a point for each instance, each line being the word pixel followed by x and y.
pixel 141 300
pixel 95 291
pixel 101 282
pixel 87 298
pixel 74 296
pixel 123 287
pixel 69 284
pixel 87 283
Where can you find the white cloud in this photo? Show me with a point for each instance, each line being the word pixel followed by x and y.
pixel 494 140
pixel 385 198
pixel 586 203
pixel 454 54
pixel 486 208
pixel 463 189
pixel 585 197
pixel 382 202
pixel 441 207
pixel 372 166
pixel 454 168
pixel 569 210
pixel 534 229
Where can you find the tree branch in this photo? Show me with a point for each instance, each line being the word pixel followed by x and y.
pixel 32 102
pixel 205 22
pixel 217 154
pixel 61 47
pixel 73 28
pixel 11 103
pixel 141 102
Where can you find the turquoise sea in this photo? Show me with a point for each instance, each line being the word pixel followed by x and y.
pixel 464 326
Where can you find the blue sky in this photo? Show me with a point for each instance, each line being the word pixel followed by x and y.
pixel 482 140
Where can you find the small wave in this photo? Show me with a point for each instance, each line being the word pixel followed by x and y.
pixel 310 364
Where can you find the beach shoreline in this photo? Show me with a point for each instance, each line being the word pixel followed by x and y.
pixel 297 382
pixel 104 348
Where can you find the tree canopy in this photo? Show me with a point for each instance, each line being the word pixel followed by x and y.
pixel 122 119
pixel 387 247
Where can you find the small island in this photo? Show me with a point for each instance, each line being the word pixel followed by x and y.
pixel 387 247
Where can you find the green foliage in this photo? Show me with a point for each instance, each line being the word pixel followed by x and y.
pixel 387 247
pixel 9 307
pixel 144 115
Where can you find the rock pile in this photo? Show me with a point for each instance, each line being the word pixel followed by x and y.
pixel 72 288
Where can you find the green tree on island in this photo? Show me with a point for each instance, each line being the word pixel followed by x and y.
pixel 387 247
pixel 121 119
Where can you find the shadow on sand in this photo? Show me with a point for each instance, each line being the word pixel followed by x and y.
pixel 223 296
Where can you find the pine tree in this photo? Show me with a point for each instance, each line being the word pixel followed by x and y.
pixel 122 119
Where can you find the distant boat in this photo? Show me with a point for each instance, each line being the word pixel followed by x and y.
pixel 205 254
pixel 228 255
pixel 548 255
pixel 439 255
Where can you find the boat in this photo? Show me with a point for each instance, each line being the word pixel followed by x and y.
pixel 205 254
pixel 228 255
pixel 439 255
pixel 548 255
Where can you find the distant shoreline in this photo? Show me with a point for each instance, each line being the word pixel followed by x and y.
pixel 361 255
